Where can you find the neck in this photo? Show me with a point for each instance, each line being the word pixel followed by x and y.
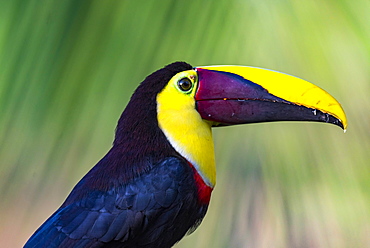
pixel 191 137
pixel 139 142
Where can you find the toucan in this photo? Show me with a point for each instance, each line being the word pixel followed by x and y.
pixel 154 185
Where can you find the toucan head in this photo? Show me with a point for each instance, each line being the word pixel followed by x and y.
pixel 184 103
pixel 229 95
pixel 196 99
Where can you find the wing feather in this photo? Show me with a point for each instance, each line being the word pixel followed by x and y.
pixel 147 206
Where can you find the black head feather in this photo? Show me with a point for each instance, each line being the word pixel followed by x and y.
pixel 142 108
pixel 139 142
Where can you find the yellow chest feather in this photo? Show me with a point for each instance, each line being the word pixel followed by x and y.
pixel 187 132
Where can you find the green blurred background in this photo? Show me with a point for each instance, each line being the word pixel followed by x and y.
pixel 68 68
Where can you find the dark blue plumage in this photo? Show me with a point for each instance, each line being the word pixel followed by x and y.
pixel 142 213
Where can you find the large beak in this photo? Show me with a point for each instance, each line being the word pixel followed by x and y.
pixel 229 95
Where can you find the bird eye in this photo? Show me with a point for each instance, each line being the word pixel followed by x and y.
pixel 185 84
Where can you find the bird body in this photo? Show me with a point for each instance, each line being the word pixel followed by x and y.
pixel 142 213
pixel 154 185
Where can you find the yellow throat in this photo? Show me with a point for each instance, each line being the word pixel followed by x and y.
pixel 188 133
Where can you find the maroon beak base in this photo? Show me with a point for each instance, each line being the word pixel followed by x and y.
pixel 228 99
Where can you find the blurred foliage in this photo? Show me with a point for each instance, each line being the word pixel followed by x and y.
pixel 67 69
